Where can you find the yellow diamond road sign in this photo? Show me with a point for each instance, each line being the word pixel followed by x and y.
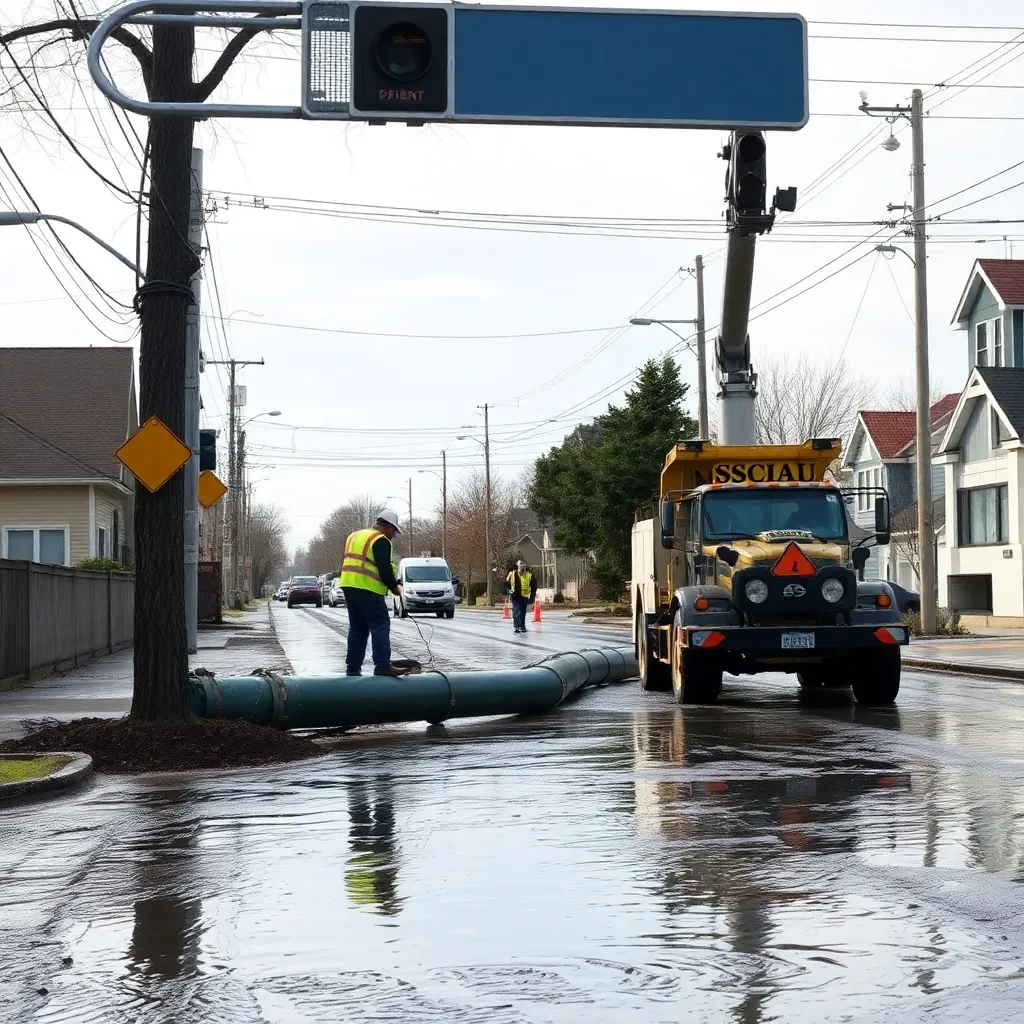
pixel 211 488
pixel 153 454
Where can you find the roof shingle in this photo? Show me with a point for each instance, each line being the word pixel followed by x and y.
pixel 1006 384
pixel 63 411
pixel 893 432
pixel 1007 277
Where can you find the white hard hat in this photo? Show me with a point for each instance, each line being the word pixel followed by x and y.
pixel 389 515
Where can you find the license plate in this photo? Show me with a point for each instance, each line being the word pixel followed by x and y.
pixel 798 641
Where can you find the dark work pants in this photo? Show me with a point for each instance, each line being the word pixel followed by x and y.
pixel 367 617
pixel 519 606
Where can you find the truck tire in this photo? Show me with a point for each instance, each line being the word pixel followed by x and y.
pixel 876 677
pixel 695 677
pixel 654 675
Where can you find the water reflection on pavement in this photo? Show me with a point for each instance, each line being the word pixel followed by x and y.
pixel 621 860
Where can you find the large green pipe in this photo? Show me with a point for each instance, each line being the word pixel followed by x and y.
pixel 304 702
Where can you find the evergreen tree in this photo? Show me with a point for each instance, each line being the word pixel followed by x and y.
pixel 591 485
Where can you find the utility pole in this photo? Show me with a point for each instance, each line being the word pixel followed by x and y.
pixel 192 403
pixel 487 503
pixel 925 532
pixel 702 366
pixel 444 504
pixel 412 552
pixel 924 432
pixel 235 457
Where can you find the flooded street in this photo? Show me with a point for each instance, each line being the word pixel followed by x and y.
pixel 618 860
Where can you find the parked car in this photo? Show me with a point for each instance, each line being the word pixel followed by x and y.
pixel 335 595
pixel 427 587
pixel 305 590
pixel 326 581
pixel 282 590
pixel 906 600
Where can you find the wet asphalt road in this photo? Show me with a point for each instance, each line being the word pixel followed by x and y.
pixel 618 860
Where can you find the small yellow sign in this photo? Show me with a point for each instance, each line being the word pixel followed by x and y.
pixel 211 488
pixel 153 454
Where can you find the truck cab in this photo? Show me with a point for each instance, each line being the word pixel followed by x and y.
pixel 750 567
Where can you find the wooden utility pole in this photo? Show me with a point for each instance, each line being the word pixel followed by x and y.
pixel 702 364
pixel 161 651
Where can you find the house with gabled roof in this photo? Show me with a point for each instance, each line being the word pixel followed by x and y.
pixel 981 568
pixel 991 311
pixel 881 453
pixel 64 412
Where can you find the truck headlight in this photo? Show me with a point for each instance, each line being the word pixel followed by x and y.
pixel 756 591
pixel 832 590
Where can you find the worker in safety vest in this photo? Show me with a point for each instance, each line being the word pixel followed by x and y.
pixel 523 588
pixel 367 574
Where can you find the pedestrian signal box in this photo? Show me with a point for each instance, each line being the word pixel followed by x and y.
pixel 399 60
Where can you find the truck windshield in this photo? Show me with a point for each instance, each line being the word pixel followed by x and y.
pixel 426 573
pixel 758 511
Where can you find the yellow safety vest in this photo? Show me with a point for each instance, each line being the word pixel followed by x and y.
pixel 358 568
pixel 524 582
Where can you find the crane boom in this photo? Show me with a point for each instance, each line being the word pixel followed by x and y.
pixel 746 218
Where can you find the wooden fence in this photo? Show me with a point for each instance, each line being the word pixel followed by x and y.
pixel 52 618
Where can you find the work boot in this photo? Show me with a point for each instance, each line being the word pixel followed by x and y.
pixel 353 672
pixel 390 670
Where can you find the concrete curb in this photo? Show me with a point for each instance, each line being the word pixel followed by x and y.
pixel 991 672
pixel 78 769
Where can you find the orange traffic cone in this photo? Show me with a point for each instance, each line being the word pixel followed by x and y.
pixel 506 612
pixel 536 611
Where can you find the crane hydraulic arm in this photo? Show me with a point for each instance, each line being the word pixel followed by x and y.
pixel 746 217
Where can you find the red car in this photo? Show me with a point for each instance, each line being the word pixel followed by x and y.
pixel 305 590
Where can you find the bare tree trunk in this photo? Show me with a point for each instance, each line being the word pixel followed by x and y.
pixel 161 659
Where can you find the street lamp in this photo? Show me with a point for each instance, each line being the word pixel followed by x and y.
pixel 702 378
pixel 11 218
pixel 443 477
pixel 486 445
pixel 926 535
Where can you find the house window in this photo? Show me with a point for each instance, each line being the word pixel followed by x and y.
pixel 115 540
pixel 999 434
pixel 102 543
pixel 981 345
pixel 983 515
pixel 997 342
pixel 47 544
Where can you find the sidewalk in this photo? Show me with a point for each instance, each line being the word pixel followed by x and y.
pixel 1001 656
pixel 103 687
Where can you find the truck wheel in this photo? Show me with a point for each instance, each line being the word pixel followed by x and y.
pixel 876 677
pixel 654 674
pixel 695 677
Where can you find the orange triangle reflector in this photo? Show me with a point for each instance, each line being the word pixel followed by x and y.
pixel 793 562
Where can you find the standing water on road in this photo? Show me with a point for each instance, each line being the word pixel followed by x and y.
pixel 619 860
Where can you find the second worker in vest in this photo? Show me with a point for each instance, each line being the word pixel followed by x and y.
pixel 523 588
pixel 367 574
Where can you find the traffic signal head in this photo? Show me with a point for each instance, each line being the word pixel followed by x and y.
pixel 748 173
pixel 207 450
pixel 399 60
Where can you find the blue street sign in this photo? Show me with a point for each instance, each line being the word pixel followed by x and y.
pixel 629 67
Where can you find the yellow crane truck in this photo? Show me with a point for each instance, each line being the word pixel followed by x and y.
pixel 748 564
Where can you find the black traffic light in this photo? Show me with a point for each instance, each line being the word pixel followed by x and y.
pixel 207 449
pixel 748 173
pixel 399 60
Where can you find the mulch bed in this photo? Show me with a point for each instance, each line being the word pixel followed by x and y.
pixel 128 746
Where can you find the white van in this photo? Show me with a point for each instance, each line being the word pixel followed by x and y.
pixel 427 586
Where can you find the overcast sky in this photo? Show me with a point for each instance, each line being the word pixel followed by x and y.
pixel 384 273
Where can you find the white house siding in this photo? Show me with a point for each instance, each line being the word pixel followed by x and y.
pixel 105 508
pixel 54 506
pixel 878 561
pixel 1005 570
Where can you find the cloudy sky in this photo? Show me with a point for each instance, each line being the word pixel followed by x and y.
pixel 384 329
